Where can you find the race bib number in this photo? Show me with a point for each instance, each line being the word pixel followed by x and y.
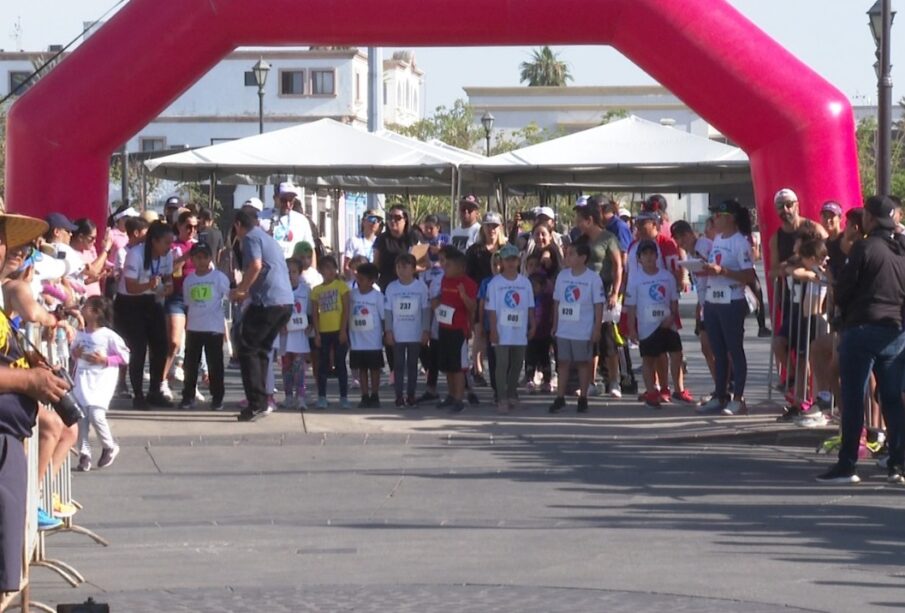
pixel 445 314
pixel 202 293
pixel 655 313
pixel 297 323
pixel 569 312
pixel 363 322
pixel 511 318
pixel 719 295
pixel 404 308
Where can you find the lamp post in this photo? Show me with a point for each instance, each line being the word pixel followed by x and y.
pixel 881 16
pixel 487 122
pixel 260 70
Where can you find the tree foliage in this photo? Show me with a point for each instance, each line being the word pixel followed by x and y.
pixel 454 126
pixel 545 69
pixel 866 137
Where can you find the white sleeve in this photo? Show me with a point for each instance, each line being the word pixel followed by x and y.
pixel 490 303
pixel 597 290
pixel 745 259
pixel 133 264
pixel 631 291
pixel 116 345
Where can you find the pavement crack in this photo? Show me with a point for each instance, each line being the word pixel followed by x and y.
pixel 151 455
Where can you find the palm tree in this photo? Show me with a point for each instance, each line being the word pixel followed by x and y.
pixel 545 69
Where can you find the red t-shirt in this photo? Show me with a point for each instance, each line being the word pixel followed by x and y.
pixel 450 298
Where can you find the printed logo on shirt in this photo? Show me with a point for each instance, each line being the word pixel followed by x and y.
pixel 282 233
pixel 572 293
pixel 657 292
pixel 718 258
pixel 329 301
pixel 512 299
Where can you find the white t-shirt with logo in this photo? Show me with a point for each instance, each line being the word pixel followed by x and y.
pixel 463 238
pixel 290 229
pixel 366 320
pixel 652 296
pixel 511 300
pixel 95 384
pixel 407 303
pixel 575 297
pixel 702 248
pixel 204 296
pixel 732 253
pixel 134 268
pixel 295 339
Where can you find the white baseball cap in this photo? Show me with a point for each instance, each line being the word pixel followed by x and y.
pixel 624 212
pixel 785 195
pixel 129 212
pixel 582 201
pixel 255 203
pixel 544 210
pixel 287 188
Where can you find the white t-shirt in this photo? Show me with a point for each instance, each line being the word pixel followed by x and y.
pixel 204 298
pixel 575 297
pixel 433 293
pixel 652 297
pixel 95 384
pixel 633 266
pixel 312 277
pixel 366 320
pixel 463 238
pixel 407 303
pixel 732 253
pixel 702 249
pixel 134 268
pixel 359 245
pixel 290 229
pixel 295 339
pixel 512 301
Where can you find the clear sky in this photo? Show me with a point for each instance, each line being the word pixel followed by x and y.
pixel 831 36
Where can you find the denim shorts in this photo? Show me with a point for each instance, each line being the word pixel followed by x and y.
pixel 175 305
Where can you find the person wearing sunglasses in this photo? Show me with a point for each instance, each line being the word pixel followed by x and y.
pixel 466 235
pixel 289 226
pixel 84 241
pixel 371 225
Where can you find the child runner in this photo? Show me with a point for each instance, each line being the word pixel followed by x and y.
pixel 483 326
pixel 407 326
pixel 366 334
pixel 330 312
pixel 537 356
pixel 454 309
pixel 354 263
pixel 294 345
pixel 429 355
pixel 99 352
pixel 652 305
pixel 510 303
pixel 578 300
pixel 204 291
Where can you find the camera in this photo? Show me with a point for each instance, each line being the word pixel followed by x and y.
pixel 67 407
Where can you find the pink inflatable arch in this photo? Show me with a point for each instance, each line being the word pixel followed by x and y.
pixel 797 129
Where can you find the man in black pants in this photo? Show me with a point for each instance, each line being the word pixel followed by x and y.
pixel 265 282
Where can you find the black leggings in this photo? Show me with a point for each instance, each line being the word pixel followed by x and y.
pixel 759 295
pixel 538 358
pixel 140 321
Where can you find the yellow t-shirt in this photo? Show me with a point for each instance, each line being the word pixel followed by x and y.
pixel 327 299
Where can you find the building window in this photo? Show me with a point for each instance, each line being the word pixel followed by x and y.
pixel 250 79
pixel 292 82
pixel 152 144
pixel 17 78
pixel 322 83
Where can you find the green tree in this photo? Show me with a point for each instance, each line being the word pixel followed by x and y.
pixel 614 115
pixel 866 139
pixel 545 69
pixel 454 126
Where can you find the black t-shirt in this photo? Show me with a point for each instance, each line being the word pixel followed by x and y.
pixel 835 255
pixel 478 263
pixel 17 411
pixel 213 238
pixel 387 247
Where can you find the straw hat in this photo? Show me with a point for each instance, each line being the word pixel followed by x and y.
pixel 21 229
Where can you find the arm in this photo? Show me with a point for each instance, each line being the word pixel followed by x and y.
pixel 20 299
pixel 632 322
pixel 344 320
pixel 555 318
pixel 425 325
pixel 616 258
pixel 315 321
pixel 494 332
pixel 252 270
pixel 598 319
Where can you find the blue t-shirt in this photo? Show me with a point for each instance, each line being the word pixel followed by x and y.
pixel 622 231
pixel 272 287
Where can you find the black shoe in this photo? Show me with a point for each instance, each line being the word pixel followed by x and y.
pixel 839 474
pixel 400 403
pixel 410 401
pixel 479 379
pixel 365 402
pixel 764 333
pixel 559 403
pixel 582 405
pixel 427 397
pixel 446 403
pixel 159 400
pixel 374 401
pixel 140 404
pixel 457 407
pixel 247 415
pixel 896 475
pixel 473 399
pixel 790 415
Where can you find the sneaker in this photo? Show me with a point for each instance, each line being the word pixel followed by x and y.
pixel 247 415
pixel 271 404
pixel 839 474
pixel 107 457
pixel 140 404
pixel 457 407
pixel 288 402
pixel 428 397
pixel 178 373
pixel 652 400
pixel 84 464
pixel 615 390
pixel 582 405
pixel 446 403
pixel 559 403
pixel 322 403
pixel 165 391
pixel 764 333
pixel 344 404
pixel 410 401
pixel 546 387
pixel 532 387
pixel 301 403
pixel 123 393
pixel 593 390
pixel 714 405
pixel 63 510
pixel 216 405
pixel 896 475
pixel 160 401
pixel 47 522
pixel 665 396
pixel 473 399
pixel 502 407
pixel 187 405
pixel 365 402
pixel 735 407
pixel 790 414
pixel 684 397
pixel 812 419
pixel 400 402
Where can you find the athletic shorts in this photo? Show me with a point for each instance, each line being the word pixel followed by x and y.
pixel 175 305
pixel 366 360
pixel 574 351
pixel 607 345
pixel 453 354
pixel 661 341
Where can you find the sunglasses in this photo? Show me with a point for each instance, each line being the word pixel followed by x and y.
pixel 191 226
pixel 396 217
pixel 785 205
pixel 372 219
pixel 467 209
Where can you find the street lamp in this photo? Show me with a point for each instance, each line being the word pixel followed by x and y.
pixel 487 122
pixel 881 16
pixel 260 70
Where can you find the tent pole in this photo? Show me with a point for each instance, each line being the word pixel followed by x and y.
pixel 210 200
pixel 452 195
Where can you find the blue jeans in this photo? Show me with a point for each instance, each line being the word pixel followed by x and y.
pixel 725 326
pixel 881 350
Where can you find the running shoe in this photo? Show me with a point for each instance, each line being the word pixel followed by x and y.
pixel 652 400
pixel 271 404
pixel 559 403
pixel 165 390
pixel 790 414
pixel 107 457
pixel 684 397
pixel 63 510
pixel 839 474
pixel 216 405
pixel 896 475
pixel 186 405
pixel 532 387
pixel 735 407
pixel 814 418
pixel 410 401
pixel 400 402
pixel 178 373
pixel 160 401
pixel 457 407
pixel 764 333
pixel 665 396
pixel 714 405
pixel 594 389
pixel 582 405
pixel 446 402
pixel 473 399
pixel 47 522
pixel 428 397
pixel 84 464
pixel 615 390
pixel 344 403
pixel 322 403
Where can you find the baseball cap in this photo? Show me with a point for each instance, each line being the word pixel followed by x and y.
pixel 470 202
pixel 785 195
pixel 624 212
pixel 374 213
pixel 58 220
pixel 647 216
pixel 128 212
pixel 883 210
pixel 581 201
pixel 288 189
pixel 725 206
pixel 302 247
pixel 509 251
pixel 491 218
pixel 173 202
pixel 201 248
pixel 255 203
pixel 832 207
pixel 544 210
pixel 655 202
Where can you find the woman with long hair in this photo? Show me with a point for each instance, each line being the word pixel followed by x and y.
pixel 549 252
pixel 397 239
pixel 479 266
pixel 186 228
pixel 729 269
pixel 363 243
pixel 84 240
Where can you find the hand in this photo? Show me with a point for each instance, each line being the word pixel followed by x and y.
pixel 108 241
pixel 425 337
pixel 98 358
pixel 153 282
pixel 390 339
pixel 168 288
pixel 44 386
pixel 494 337
pixel 712 270
pixel 317 340
pixel 611 302
pixel 462 293
pixel 238 295
pixel 343 337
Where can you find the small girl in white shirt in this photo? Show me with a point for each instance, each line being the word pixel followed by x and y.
pixel 99 352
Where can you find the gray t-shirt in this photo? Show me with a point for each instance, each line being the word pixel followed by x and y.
pixel 272 287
